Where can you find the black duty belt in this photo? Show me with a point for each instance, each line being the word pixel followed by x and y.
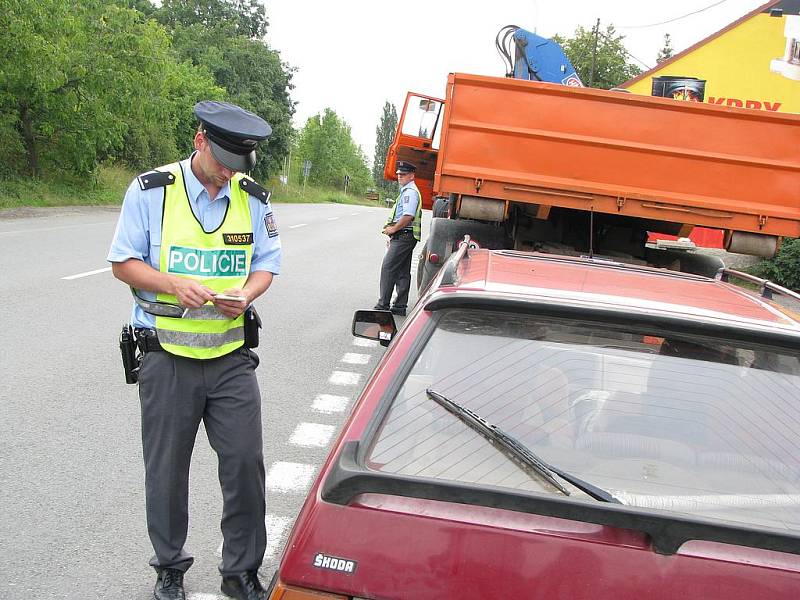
pixel 403 233
pixel 147 340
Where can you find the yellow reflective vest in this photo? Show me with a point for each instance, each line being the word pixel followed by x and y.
pixel 189 251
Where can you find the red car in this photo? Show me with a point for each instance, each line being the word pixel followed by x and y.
pixel 550 427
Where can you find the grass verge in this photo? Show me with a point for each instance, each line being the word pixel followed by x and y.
pixel 108 187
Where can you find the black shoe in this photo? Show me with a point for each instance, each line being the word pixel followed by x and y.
pixel 398 311
pixel 169 585
pixel 380 306
pixel 245 586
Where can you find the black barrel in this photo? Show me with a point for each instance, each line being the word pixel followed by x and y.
pixel 691 89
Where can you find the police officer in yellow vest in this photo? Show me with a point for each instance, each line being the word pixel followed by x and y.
pixel 404 228
pixel 197 242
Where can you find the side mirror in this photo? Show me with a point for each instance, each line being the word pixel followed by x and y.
pixel 374 325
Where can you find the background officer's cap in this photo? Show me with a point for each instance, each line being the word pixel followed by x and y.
pixel 403 166
pixel 232 132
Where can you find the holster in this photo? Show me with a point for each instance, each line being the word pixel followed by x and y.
pixel 127 347
pixel 252 323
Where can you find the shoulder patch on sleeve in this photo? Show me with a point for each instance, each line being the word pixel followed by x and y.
pixel 254 189
pixel 271 225
pixel 154 179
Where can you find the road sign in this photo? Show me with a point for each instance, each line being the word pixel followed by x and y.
pixel 306 168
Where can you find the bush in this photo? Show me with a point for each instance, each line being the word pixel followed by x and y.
pixel 784 268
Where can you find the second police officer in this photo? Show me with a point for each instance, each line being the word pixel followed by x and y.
pixel 199 238
pixel 404 228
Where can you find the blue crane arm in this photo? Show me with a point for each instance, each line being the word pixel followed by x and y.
pixel 542 59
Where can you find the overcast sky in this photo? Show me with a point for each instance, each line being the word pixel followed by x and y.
pixel 353 55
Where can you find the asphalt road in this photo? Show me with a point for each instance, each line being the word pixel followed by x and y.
pixel 72 523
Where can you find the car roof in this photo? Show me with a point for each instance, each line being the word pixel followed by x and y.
pixel 581 281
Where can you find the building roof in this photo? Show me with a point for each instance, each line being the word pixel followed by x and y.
pixel 703 42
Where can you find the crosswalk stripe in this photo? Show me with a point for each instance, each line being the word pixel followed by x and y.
pixel 311 435
pixel 344 378
pixel 326 403
pixel 353 358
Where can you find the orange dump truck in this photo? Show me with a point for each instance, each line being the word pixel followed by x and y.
pixel 530 165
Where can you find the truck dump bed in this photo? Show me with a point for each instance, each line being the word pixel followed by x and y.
pixel 619 153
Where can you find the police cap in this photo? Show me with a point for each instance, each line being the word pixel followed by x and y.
pixel 233 133
pixel 403 166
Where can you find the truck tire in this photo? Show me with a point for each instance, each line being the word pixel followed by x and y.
pixel 685 262
pixel 443 237
pixel 422 258
pixel 441 208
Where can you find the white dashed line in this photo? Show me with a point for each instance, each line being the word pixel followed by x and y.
pixel 298 225
pixel 276 527
pixel 353 358
pixel 354 214
pixel 332 218
pixel 311 435
pixel 95 272
pixel 344 378
pixel 325 403
pixel 289 477
pixel 365 343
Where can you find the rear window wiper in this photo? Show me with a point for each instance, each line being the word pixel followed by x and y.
pixel 518 452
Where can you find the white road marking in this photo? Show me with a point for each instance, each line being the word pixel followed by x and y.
pixel 81 225
pixel 199 596
pixel 353 358
pixel 276 527
pixel 325 403
pixel 344 378
pixel 332 218
pixel 365 343
pixel 87 273
pixel 298 225
pixel 310 435
pixel 354 214
pixel 289 477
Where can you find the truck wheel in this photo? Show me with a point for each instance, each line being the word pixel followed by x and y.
pixel 441 208
pixel 685 262
pixel 445 234
pixel 421 260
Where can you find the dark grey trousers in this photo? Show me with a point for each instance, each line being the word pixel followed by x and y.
pixel 175 394
pixel 396 271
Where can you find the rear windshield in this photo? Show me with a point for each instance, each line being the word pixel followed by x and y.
pixel 692 425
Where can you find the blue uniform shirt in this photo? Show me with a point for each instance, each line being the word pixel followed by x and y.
pixel 138 233
pixel 409 199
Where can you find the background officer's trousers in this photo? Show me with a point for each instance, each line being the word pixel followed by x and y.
pixel 175 394
pixel 396 270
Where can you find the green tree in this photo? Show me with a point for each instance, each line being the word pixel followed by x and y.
pixel 254 77
pixel 326 141
pixel 240 17
pixel 384 134
pixel 80 80
pixel 784 268
pixel 611 66
pixel 665 52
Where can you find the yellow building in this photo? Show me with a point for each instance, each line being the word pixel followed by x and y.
pixel 752 63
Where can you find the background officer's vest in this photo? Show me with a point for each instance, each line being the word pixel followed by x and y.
pixel 417 223
pixel 188 251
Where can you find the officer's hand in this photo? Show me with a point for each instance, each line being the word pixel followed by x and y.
pixel 387 231
pixel 232 308
pixel 190 293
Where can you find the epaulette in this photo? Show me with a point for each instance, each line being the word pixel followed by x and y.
pixel 154 179
pixel 255 190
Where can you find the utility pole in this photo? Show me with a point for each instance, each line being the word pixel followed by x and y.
pixel 594 53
